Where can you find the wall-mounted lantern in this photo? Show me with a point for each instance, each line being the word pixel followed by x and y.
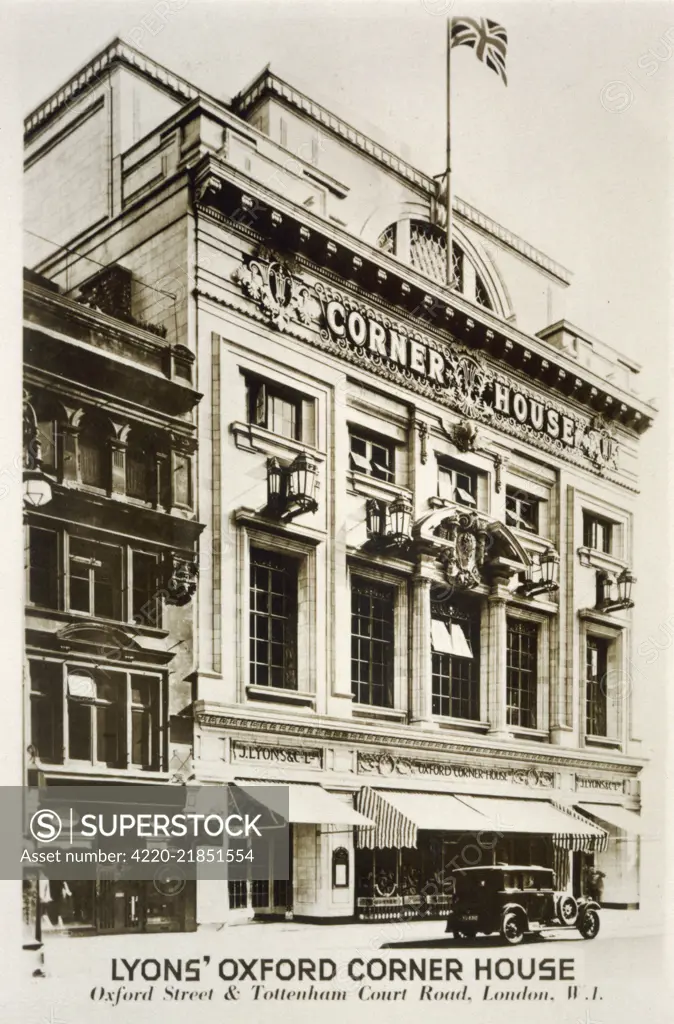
pixel 37 486
pixel 548 580
pixel 389 525
pixel 607 601
pixel 291 490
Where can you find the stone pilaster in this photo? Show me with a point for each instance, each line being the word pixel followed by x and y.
pixel 496 660
pixel 421 660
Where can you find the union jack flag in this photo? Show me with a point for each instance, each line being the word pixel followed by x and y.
pixel 487 38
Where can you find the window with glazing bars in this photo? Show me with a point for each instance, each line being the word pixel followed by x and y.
pixel 596 667
pixel 372 609
pixel 275 408
pixel 521 674
pixel 521 510
pixel 273 620
pixel 455 677
pixel 597 533
pixel 372 455
pixel 481 293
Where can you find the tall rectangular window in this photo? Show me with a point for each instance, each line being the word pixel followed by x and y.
pixel 596 668
pixel 273 620
pixel 93 458
pixel 95 578
pixel 522 672
pixel 46 710
pixel 47 434
pixel 455 641
pixel 182 480
pixel 372 455
pixel 145 599
pixel 521 510
pixel 138 473
pixel 43 567
pixel 372 637
pixel 597 533
pixel 145 721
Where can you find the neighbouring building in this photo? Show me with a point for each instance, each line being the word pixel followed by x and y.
pixel 416 566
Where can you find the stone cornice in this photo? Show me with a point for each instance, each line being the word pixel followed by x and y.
pixel 383 279
pixel 389 737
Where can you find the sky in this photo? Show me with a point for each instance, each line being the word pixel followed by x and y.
pixel 574 155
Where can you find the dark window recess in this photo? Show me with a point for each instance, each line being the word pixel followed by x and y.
pixel 182 480
pixel 145 721
pixel 47 430
pixel 43 567
pixel 596 670
pixel 238 894
pixel 46 711
pixel 521 673
pixel 457 483
pixel 372 611
pixel 455 641
pixel 372 455
pixel 145 599
pixel 95 578
pixel 597 533
pixel 282 890
pixel 93 458
pixel 139 472
pixel 259 893
pixel 276 409
pixel 273 620
pixel 521 510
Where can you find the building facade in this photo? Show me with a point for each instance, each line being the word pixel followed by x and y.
pixel 415 571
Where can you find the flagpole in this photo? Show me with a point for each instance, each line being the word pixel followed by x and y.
pixel 450 268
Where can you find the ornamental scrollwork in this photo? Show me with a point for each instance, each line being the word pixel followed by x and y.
pixel 464 555
pixel 468 382
pixel 270 281
pixel 180 578
pixel 600 445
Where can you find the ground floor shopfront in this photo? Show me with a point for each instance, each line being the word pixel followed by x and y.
pixel 377 826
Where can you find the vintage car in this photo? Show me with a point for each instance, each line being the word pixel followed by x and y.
pixel 515 900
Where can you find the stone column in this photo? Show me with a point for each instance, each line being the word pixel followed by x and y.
pixel 68 453
pixel 497 640
pixel 421 660
pixel 117 443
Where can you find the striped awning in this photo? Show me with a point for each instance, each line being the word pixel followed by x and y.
pixel 399 814
pixel 568 829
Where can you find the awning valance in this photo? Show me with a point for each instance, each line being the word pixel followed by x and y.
pixel 568 829
pixel 309 804
pixel 399 814
pixel 614 814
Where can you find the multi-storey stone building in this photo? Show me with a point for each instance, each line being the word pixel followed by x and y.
pixel 416 567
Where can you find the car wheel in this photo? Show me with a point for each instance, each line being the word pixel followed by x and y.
pixel 567 909
pixel 588 926
pixel 511 928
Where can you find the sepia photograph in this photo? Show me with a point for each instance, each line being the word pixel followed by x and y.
pixel 342 547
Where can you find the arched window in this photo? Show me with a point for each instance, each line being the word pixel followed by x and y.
pixel 428 255
pixel 139 466
pixel 93 454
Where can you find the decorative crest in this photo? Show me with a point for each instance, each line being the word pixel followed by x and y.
pixel 600 445
pixel 464 557
pixel 180 578
pixel 270 281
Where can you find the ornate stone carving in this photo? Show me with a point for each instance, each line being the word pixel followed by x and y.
pixel 464 557
pixel 180 578
pixel 270 281
pixel 468 382
pixel 423 439
pixel 387 764
pixel 464 435
pixel 600 445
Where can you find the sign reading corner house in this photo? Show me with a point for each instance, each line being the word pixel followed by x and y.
pixel 445 371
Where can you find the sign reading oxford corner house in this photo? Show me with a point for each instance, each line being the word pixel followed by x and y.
pixel 388 765
pixel 445 371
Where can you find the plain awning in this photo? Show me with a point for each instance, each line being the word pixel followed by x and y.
pixel 399 814
pixel 310 804
pixel 538 817
pixel 614 814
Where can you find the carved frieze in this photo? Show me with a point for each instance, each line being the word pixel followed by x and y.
pixel 388 765
pixel 271 282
